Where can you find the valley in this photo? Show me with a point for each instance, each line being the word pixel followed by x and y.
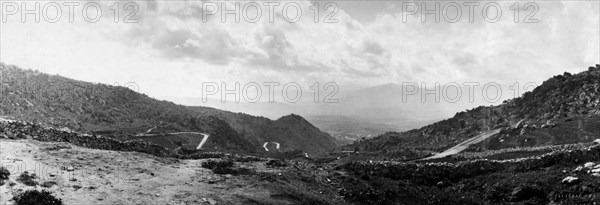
pixel 541 148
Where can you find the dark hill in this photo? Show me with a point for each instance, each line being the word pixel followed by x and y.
pixel 121 113
pixel 566 106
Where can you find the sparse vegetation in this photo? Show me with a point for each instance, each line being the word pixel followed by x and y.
pixel 48 184
pixel 4 174
pixel 27 179
pixel 277 163
pixel 35 197
pixel 213 164
pixel 225 166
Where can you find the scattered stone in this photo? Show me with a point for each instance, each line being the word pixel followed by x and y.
pixel 519 124
pixel 570 180
pixel 578 169
pixel 442 184
pixel 209 201
pixel 76 187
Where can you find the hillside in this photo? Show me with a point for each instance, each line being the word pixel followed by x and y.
pixel 121 113
pixel 564 109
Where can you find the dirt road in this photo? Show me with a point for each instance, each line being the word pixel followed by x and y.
pixel 463 145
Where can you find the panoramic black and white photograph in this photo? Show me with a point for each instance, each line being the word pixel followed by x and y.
pixel 285 102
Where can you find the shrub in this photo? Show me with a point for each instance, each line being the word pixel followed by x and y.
pixel 27 179
pixel 224 167
pixel 35 197
pixel 4 173
pixel 249 159
pixel 48 184
pixel 276 163
pixel 212 164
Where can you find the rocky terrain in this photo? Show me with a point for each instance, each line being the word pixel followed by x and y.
pixel 76 174
pixel 544 149
pixel 121 112
pixel 564 109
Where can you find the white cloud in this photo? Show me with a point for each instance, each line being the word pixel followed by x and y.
pixel 172 46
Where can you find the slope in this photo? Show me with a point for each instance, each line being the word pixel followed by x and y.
pixel 122 113
pixel 562 101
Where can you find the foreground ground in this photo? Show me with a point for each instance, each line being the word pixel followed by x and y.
pixel 112 177
pixel 568 174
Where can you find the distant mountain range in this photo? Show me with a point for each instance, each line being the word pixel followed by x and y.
pixel 366 112
pixel 122 113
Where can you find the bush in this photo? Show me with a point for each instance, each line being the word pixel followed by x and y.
pixel 221 164
pixel 27 179
pixel 35 197
pixel 248 159
pixel 276 163
pixel 48 184
pixel 225 167
pixel 4 173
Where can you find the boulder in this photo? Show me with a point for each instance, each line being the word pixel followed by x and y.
pixel 519 124
pixel 208 201
pixel 589 165
pixel 597 141
pixel 570 180
pixel 70 169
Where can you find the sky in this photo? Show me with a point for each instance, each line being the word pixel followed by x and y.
pixel 169 48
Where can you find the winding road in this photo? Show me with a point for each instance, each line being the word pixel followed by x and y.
pixel 266 143
pixel 204 139
pixel 463 145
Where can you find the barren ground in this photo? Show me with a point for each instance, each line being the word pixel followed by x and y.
pixel 111 177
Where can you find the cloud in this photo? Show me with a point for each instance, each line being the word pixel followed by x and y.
pixel 366 47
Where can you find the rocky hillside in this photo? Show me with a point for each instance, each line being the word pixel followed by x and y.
pixel 285 130
pixel 565 101
pixel 120 112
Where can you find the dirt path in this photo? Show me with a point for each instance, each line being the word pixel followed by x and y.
pixel 463 145
pixel 204 139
